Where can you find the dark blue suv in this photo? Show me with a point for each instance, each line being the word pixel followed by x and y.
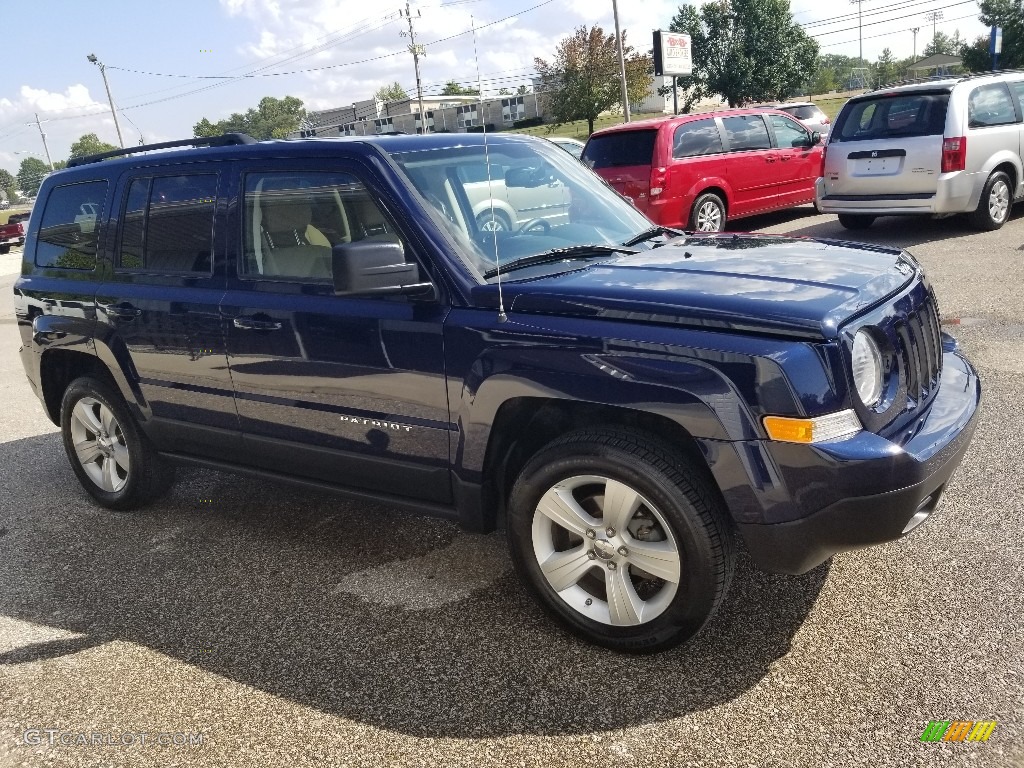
pixel 626 400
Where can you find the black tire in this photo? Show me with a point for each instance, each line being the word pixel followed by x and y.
pixel 680 496
pixel 5 249
pixel 148 476
pixel 501 221
pixel 856 220
pixel 704 213
pixel 994 206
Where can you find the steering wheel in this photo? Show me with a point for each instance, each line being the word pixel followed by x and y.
pixel 544 224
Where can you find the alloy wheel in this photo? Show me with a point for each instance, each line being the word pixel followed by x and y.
pixel 606 550
pixel 99 444
pixel 999 201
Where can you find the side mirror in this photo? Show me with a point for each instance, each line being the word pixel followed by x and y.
pixel 815 138
pixel 374 268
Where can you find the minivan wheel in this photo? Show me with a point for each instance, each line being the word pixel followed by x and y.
pixel 994 206
pixel 495 221
pixel 621 539
pixel 856 220
pixel 707 214
pixel 113 459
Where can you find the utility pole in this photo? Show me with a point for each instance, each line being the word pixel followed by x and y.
pixel 622 62
pixel 915 30
pixel 417 51
pixel 860 40
pixel 45 148
pixel 934 17
pixel 103 71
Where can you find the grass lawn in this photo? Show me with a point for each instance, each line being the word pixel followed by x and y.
pixel 5 215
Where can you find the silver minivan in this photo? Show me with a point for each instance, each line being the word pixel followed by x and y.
pixel 938 148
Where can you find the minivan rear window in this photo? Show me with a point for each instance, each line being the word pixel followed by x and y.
pixel 620 149
pixel 909 114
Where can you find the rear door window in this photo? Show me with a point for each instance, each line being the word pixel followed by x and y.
pixel 620 149
pixel 912 114
pixel 69 226
pixel 168 224
pixel 990 105
pixel 701 137
pixel 746 132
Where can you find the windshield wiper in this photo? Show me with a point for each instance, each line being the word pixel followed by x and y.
pixel 647 234
pixel 560 254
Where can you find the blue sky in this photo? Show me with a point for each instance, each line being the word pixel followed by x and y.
pixel 46 70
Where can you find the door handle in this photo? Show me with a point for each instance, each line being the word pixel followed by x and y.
pixel 122 311
pixel 770 158
pixel 252 324
pixel 786 158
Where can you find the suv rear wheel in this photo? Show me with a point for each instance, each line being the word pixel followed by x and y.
pixel 707 214
pixel 994 206
pixel 113 460
pixel 856 220
pixel 621 539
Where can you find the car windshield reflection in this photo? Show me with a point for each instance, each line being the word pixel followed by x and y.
pixel 515 199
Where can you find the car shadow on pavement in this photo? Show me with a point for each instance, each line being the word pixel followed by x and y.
pixel 893 231
pixel 240 577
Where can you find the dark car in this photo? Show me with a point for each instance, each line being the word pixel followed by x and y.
pixel 698 171
pixel 627 401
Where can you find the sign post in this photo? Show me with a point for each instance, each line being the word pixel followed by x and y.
pixel 995 45
pixel 673 56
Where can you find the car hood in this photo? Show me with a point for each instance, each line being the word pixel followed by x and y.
pixel 750 283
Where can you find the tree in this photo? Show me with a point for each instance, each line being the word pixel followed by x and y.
pixel 7 185
pixel 522 89
pixel 824 81
pixel 582 80
pixel 89 144
pixel 943 43
pixel 30 175
pixel 504 92
pixel 885 68
pixel 271 119
pixel 1008 14
pixel 746 50
pixel 393 92
pixel 452 88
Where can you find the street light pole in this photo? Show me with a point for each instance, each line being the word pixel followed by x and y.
pixel 915 30
pixel 103 71
pixel 622 63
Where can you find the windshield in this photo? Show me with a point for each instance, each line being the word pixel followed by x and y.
pixel 538 199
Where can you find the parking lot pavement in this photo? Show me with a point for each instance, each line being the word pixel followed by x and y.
pixel 259 625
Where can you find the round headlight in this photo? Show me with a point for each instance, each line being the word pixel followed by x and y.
pixel 867 368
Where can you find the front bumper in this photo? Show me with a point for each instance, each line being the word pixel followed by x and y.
pixel 871 487
pixel 957 192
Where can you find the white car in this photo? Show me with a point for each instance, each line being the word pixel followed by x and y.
pixel 573 146
pixel 513 206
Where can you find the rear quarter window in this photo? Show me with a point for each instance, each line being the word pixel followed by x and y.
pixel 914 114
pixel 69 225
pixel 990 105
pixel 620 149
pixel 698 138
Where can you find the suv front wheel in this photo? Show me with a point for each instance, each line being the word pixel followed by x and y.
pixel 113 460
pixel 994 206
pixel 621 538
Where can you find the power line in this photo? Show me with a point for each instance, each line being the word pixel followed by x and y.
pixel 886 21
pixel 894 32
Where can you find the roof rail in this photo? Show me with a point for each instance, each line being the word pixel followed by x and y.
pixel 959 78
pixel 225 140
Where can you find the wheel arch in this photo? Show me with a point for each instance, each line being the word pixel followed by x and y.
pixel 58 368
pixel 524 425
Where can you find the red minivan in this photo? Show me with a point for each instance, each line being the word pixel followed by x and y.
pixel 695 171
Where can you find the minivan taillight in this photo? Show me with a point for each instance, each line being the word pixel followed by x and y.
pixel 954 154
pixel 824 151
pixel 658 181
